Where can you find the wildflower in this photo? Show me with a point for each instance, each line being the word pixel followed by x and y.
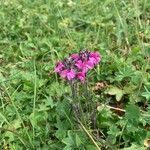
pixel 76 66
pixel 81 76
pixel 71 74
pixel 59 67
pixel 63 73
pixel 90 64
pixel 74 56
pixel 94 57
pixel 68 74
pixel 84 66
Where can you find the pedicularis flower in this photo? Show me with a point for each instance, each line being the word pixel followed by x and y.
pixel 76 66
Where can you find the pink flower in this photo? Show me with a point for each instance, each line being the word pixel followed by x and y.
pixel 69 74
pixel 79 64
pixel 89 64
pixel 59 67
pixel 94 57
pixel 81 76
pixel 63 73
pixel 84 65
pixel 75 56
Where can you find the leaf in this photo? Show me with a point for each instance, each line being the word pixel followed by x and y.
pixel 43 107
pixel 91 147
pixel 60 134
pixel 132 112
pixel 67 141
pixel 135 147
pixel 74 140
pixel 146 94
pixel 17 123
pixel 115 91
pixel 78 140
pixel 114 131
pixel 67 148
pixel 49 102
pixel 9 135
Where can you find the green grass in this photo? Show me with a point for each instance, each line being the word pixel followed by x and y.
pixel 35 103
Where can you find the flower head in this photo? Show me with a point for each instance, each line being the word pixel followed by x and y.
pixel 76 66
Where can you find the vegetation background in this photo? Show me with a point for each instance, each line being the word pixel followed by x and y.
pixel 34 102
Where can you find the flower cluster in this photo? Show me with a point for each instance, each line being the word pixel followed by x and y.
pixel 76 66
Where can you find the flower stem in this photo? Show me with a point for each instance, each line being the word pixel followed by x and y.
pixel 73 90
pixel 77 106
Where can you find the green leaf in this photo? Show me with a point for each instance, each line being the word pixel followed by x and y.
pixel 49 102
pixel 114 131
pixel 60 134
pixel 90 147
pixel 135 147
pixel 146 94
pixel 69 141
pixel 78 141
pixel 132 112
pixel 9 135
pixel 115 91
pixel 17 123
pixel 67 148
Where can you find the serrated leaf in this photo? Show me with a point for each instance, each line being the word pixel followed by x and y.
pixel 132 112
pixel 60 134
pixel 49 102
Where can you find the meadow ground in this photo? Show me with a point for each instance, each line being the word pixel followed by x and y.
pixel 35 104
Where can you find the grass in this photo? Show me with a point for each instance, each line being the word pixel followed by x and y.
pixel 35 103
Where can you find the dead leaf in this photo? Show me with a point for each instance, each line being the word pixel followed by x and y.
pixel 147 142
pixel 99 86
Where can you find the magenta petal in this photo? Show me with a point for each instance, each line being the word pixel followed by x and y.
pixel 81 76
pixel 95 57
pixel 94 54
pixel 74 56
pixel 90 64
pixel 63 73
pixel 79 64
pixel 70 74
pixel 92 60
pixel 59 67
pixel 97 60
